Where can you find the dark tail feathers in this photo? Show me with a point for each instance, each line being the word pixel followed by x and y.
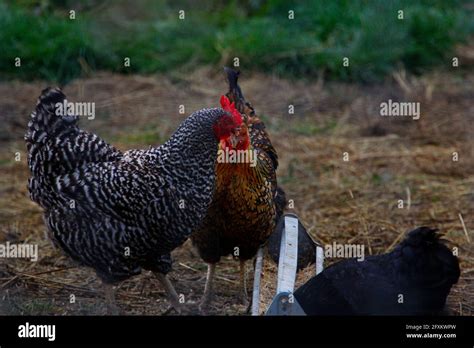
pixel 45 122
pixel 235 93
pixel 234 89
pixel 434 263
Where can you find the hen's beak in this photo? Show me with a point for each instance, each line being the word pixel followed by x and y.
pixel 234 140
pixel 235 137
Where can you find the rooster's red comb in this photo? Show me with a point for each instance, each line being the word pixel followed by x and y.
pixel 230 107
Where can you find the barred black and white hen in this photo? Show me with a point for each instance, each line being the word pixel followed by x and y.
pixel 120 212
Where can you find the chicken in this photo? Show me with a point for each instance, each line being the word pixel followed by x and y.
pixel 246 203
pixel 414 279
pixel 121 212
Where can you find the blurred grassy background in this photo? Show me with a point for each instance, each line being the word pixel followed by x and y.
pixel 54 47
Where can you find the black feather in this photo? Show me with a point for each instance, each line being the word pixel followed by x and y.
pixel 414 279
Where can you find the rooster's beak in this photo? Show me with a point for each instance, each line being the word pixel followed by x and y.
pixel 234 140
pixel 235 137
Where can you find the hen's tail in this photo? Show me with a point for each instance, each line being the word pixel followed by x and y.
pixel 45 124
pixel 427 264
pixel 43 142
pixel 57 146
pixel 423 250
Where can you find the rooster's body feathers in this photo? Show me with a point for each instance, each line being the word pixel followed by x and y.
pixel 243 211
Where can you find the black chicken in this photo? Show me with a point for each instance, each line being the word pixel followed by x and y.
pixel 414 279
pixel 120 212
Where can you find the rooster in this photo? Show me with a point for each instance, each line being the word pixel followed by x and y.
pixel 119 212
pixel 247 202
pixel 414 279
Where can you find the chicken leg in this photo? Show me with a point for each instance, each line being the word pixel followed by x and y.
pixel 170 291
pixel 112 308
pixel 208 288
pixel 243 284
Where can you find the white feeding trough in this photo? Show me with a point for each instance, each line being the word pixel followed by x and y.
pixel 296 250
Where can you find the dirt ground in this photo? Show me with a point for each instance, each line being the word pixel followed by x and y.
pixel 352 201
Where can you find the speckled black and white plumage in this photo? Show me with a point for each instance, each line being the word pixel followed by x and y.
pixel 100 203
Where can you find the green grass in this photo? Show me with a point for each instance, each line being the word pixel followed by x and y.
pixel 144 137
pixel 369 33
pixel 310 128
pixel 6 162
pixel 35 306
pixel 49 47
